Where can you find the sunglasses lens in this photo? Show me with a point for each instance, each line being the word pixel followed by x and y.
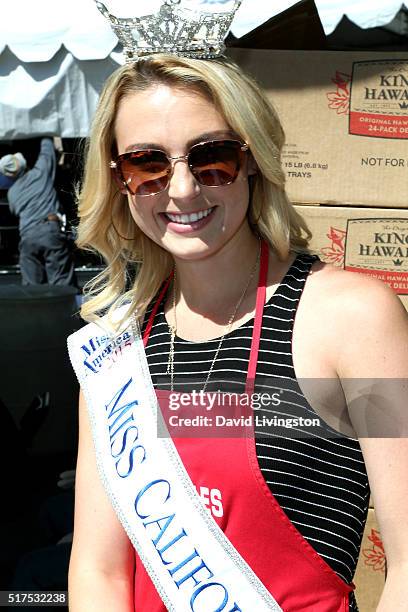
pixel 145 172
pixel 216 163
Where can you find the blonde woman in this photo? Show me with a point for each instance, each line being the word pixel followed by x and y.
pixel 183 180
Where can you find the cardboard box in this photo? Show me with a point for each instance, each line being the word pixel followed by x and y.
pixel 345 115
pixel 371 241
pixel 370 574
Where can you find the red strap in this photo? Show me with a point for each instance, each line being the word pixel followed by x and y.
pixel 256 334
pixel 155 307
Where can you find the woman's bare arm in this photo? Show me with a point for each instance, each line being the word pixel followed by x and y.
pixel 374 356
pixel 101 571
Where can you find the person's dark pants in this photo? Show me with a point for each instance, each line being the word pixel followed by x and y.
pixel 45 256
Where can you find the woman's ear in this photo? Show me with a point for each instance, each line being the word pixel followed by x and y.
pixel 118 182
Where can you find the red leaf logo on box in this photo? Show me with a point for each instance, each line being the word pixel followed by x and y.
pixel 335 252
pixel 339 100
pixel 342 80
pixel 375 556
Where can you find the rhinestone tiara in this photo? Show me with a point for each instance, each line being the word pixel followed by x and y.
pixel 173 29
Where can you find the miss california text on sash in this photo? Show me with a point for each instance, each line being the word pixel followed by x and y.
pixel 212 475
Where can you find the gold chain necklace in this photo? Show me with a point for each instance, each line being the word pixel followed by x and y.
pixel 173 328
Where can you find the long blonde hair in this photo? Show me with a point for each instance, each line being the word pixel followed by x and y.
pixel 106 225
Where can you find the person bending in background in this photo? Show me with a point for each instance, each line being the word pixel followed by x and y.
pixel 44 254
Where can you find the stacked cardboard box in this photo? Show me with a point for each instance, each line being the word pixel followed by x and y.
pixel 370 575
pixel 345 115
pixel 371 241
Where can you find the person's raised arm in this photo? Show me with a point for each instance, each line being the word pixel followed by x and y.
pixel 101 572
pixel 46 160
pixel 374 357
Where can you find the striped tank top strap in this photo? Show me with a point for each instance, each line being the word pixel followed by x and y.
pixel 286 298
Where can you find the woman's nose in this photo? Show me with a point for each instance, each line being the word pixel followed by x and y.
pixel 182 183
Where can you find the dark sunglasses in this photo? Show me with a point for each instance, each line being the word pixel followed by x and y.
pixel 148 171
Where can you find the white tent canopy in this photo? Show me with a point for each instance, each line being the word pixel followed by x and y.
pixel 55 55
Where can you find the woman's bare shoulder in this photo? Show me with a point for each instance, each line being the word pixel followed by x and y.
pixel 363 313
pixel 350 291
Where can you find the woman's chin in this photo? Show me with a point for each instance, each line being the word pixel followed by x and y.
pixel 190 249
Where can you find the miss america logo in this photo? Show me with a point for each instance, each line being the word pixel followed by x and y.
pixel 100 348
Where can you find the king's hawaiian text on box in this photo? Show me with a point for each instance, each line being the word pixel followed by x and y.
pixel 345 116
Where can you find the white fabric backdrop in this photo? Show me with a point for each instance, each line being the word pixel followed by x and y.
pixel 55 54
pixel 35 29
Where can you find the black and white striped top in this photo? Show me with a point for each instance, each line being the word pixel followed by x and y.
pixel 317 476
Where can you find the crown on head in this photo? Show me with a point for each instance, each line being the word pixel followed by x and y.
pixel 173 29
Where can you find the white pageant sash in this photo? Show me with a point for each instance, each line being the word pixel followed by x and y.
pixel 191 562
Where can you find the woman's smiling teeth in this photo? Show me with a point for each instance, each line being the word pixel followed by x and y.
pixel 186 219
